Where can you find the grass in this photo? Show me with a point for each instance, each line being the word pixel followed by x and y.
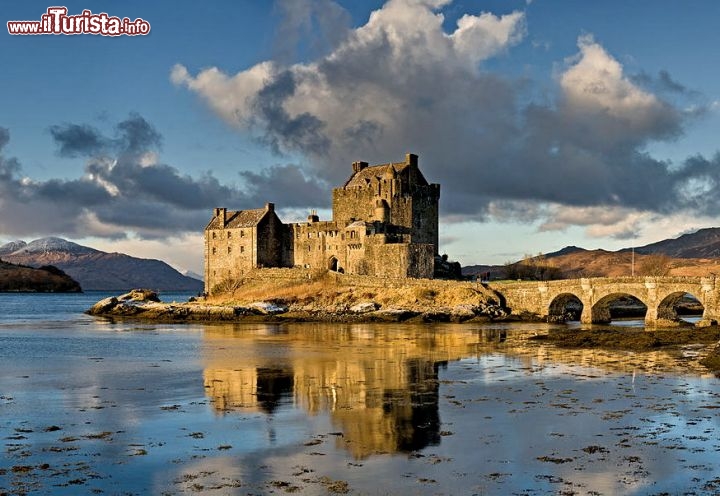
pixel 325 291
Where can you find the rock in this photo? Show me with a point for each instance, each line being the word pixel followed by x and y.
pixel 464 311
pixel 365 307
pixel 436 316
pixel 393 315
pixel 268 308
pixel 140 295
pixel 103 306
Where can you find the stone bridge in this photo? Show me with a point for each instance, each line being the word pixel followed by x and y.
pixel 659 294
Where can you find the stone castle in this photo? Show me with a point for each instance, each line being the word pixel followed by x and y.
pixel 385 223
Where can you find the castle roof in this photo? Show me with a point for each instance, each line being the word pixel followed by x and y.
pixel 364 176
pixel 239 219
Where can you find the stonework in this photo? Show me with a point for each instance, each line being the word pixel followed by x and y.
pixel 385 223
pixel 659 294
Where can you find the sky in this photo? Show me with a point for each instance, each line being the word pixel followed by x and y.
pixel 547 123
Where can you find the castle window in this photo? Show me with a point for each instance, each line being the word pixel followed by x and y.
pixel 214 250
pixel 229 249
pixel 213 234
pixel 229 234
pixel 242 233
pixel 242 249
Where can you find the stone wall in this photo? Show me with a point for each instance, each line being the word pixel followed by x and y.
pixel 657 293
pixel 229 254
pixel 269 234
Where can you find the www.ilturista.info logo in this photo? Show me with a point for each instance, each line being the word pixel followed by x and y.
pixel 56 21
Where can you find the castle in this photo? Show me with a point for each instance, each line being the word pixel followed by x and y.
pixel 385 223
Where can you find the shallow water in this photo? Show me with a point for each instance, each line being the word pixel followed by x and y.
pixel 90 406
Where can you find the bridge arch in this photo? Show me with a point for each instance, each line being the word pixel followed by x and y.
pixel 667 306
pixel 600 311
pixel 565 306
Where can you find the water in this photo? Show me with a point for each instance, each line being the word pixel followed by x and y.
pixel 93 406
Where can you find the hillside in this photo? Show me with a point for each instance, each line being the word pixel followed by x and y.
pixel 693 254
pixel 98 270
pixel 15 278
pixel 704 243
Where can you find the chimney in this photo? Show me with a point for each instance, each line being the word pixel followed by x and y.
pixel 358 166
pixel 411 159
pixel 270 207
pixel 221 213
pixel 313 217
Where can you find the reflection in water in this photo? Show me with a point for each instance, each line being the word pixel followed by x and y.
pixel 272 385
pixel 379 383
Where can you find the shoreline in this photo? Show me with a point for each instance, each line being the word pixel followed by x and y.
pixel 144 305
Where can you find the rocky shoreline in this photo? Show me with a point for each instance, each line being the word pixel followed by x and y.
pixel 145 305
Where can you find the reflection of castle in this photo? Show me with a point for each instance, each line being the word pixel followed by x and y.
pixel 385 222
pixel 380 388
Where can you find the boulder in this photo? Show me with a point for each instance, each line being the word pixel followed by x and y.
pixel 103 306
pixel 365 307
pixel 140 295
pixel 268 308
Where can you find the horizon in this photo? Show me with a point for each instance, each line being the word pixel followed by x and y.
pixel 547 124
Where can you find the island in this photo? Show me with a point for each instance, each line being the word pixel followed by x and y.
pixel 45 279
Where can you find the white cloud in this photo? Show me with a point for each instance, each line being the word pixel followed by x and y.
pixel 596 81
pixel 360 97
pixel 230 97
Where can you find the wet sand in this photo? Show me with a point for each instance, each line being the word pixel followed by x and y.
pixel 348 409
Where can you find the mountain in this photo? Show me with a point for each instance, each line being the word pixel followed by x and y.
pixel 704 243
pixel 692 254
pixel 11 247
pixel 98 270
pixel 193 275
pixel 16 278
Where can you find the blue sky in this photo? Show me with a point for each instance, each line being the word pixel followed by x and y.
pixel 548 123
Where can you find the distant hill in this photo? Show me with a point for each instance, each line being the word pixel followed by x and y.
pixel 98 270
pixel 16 278
pixel 693 254
pixel 704 243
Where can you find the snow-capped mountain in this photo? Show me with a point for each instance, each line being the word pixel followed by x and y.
pixel 98 270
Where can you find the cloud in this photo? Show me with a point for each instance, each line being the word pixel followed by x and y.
pixel 286 185
pixel 126 189
pixel 315 26
pixel 401 83
pixel 599 222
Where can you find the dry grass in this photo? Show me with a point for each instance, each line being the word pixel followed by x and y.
pixel 325 291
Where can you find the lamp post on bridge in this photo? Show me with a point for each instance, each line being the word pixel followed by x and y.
pixel 632 261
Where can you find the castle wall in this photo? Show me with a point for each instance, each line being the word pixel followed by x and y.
pixel 425 213
pixel 270 231
pixel 230 253
pixel 400 260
